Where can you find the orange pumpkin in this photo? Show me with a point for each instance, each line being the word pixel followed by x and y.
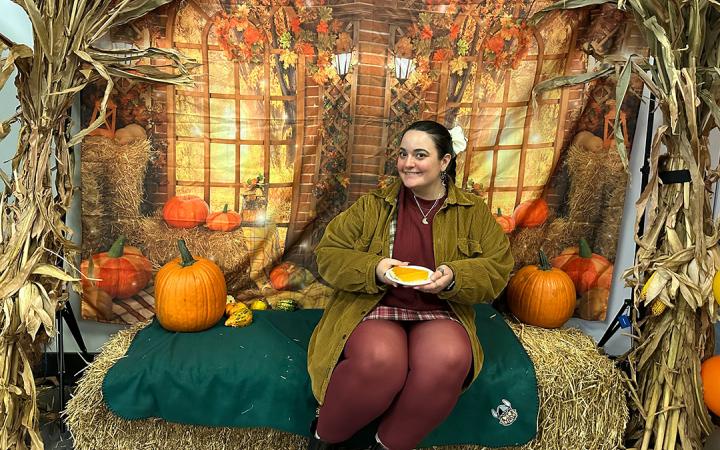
pixel 587 269
pixel 121 272
pixel 710 373
pixel 190 293
pixel 541 295
pixel 185 211
pixel 593 304
pixel 531 213
pixel 507 223
pixel 223 221
pixel 289 276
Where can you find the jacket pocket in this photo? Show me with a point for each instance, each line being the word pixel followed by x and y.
pixel 469 248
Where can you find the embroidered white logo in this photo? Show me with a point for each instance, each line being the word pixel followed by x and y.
pixel 504 413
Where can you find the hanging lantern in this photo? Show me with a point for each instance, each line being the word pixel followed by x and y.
pixel 341 63
pixel 404 67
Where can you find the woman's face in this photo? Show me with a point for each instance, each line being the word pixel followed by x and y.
pixel 418 162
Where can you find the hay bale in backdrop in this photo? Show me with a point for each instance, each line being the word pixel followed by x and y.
pixel 159 243
pixel 608 232
pixel 582 404
pixel 112 180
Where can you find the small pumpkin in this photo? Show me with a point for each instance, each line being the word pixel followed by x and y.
pixel 130 133
pixel 710 373
pixel 507 223
pixel 224 220
pixel 231 308
pixel 587 269
pixel 185 211
pixel 240 318
pixel 593 304
pixel 258 305
pixel 286 304
pixel 121 272
pixel 190 293
pixel 588 141
pixel 541 295
pixel 531 213
pixel 289 276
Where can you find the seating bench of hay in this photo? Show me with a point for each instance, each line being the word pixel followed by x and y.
pixel 582 402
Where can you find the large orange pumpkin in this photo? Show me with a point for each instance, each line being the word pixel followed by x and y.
pixel 224 220
pixel 185 211
pixel 587 269
pixel 507 223
pixel 541 295
pixel 287 275
pixel 190 293
pixel 710 373
pixel 121 272
pixel 531 213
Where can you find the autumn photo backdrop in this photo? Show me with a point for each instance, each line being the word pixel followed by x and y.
pixel 297 111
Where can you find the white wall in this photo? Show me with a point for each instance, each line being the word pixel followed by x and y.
pixel 15 25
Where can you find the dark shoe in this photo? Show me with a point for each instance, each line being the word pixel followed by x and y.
pixel 318 444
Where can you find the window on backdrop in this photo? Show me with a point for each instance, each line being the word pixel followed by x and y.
pixel 234 132
pixel 512 148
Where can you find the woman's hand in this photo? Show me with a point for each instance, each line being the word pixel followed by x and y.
pixel 441 278
pixel 383 266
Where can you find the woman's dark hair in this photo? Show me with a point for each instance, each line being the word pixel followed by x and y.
pixel 442 139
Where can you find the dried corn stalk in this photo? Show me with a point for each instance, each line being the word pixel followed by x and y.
pixel 678 253
pixel 35 243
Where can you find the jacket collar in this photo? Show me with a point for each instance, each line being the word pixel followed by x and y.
pixel 455 196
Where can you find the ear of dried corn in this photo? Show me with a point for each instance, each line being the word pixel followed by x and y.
pixel 34 240
pixel 678 249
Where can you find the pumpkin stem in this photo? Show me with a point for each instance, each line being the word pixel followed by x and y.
pixel 544 262
pixel 499 212
pixel 117 248
pixel 225 208
pixel 585 251
pixel 187 258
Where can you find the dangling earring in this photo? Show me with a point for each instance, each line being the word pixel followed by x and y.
pixel 444 178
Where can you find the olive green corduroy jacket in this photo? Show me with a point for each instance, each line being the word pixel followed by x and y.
pixel 466 238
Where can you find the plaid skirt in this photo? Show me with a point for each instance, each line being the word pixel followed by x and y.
pixel 384 312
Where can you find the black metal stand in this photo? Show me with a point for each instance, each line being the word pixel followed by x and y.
pixel 645 172
pixel 67 315
pixel 617 322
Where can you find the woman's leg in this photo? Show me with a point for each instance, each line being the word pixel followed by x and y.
pixel 440 357
pixel 365 382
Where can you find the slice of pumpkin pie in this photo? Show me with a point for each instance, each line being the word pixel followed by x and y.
pixel 409 274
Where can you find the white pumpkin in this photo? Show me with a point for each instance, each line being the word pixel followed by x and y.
pixel 130 133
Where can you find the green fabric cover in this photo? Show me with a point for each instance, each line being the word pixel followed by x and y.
pixel 257 377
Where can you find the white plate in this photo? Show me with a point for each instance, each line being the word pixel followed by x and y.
pixel 391 276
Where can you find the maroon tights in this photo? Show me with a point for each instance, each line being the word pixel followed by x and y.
pixel 411 373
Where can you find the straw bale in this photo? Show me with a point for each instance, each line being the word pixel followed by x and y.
pixel 582 404
pixel 587 175
pixel 159 243
pixel 112 178
pixel 96 233
pixel 607 232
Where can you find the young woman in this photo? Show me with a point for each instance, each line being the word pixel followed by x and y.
pixel 404 353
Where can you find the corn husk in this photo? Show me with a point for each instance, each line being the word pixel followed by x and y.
pixel 678 247
pixel 36 262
